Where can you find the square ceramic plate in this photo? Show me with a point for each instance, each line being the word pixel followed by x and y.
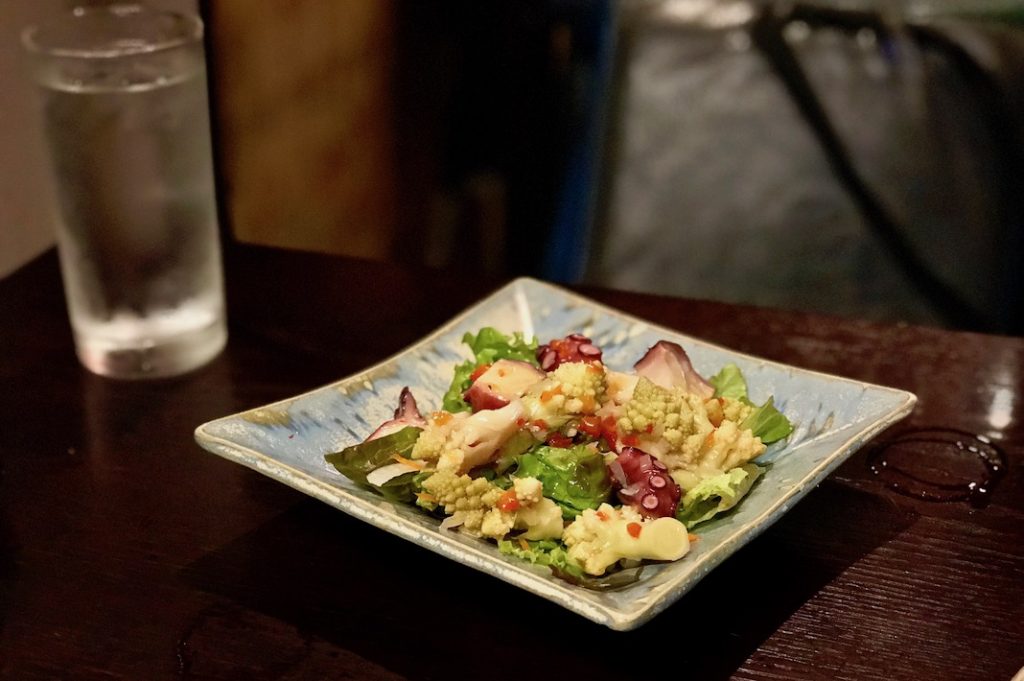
pixel 287 440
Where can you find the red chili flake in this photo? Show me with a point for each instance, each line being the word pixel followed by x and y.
pixel 634 530
pixel 520 422
pixel 558 440
pixel 602 515
pixel 508 502
pixel 649 428
pixel 539 423
pixel 609 432
pixel 478 372
pixel 631 440
pixel 591 425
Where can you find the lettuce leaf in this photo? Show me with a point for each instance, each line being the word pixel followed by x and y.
pixel 766 422
pixel 358 461
pixel 546 552
pixel 717 494
pixel 488 346
pixel 404 488
pixel 729 382
pixel 576 478
pixel 553 555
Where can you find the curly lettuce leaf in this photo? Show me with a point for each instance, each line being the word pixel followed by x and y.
pixel 766 422
pixel 717 494
pixel 729 382
pixel 553 555
pixel 547 552
pixel 575 478
pixel 488 346
pixel 357 461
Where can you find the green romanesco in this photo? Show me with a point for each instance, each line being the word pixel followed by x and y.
pixel 483 509
pixel 573 389
pixel 599 539
pixel 694 438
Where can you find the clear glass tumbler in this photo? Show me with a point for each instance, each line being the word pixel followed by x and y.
pixel 123 91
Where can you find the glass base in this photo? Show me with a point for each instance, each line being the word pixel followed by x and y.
pixel 152 358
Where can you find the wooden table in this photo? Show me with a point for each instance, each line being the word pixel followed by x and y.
pixel 127 552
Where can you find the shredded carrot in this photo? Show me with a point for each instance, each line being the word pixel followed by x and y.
pixel 409 462
pixel 588 403
pixel 523 544
pixel 548 394
pixel 716 415
pixel 602 515
pixel 709 440
pixel 441 417
pixel 426 497
pixel 692 537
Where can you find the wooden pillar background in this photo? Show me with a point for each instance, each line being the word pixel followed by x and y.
pixel 305 114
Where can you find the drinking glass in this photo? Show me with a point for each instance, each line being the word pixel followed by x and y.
pixel 123 94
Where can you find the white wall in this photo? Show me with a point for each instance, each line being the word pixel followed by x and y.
pixel 27 203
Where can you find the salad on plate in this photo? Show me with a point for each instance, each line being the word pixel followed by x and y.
pixel 567 463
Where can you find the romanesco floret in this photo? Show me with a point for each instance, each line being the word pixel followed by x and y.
pixel 601 538
pixel 676 416
pixel 461 442
pixel 528 490
pixel 573 389
pixel 477 505
pixel 674 426
pixel 728 447
pixel 430 443
pixel 473 502
pixel 724 408
pixel 736 411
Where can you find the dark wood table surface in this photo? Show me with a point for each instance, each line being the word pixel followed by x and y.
pixel 127 552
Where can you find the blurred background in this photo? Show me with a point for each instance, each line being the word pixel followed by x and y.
pixel 861 159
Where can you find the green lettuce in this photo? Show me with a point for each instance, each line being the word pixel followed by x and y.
pixel 553 555
pixel 729 382
pixel 488 346
pixel 358 461
pixel 766 422
pixel 404 488
pixel 547 552
pixel 717 494
pixel 576 478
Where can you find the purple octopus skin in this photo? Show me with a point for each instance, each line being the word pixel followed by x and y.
pixel 667 364
pixel 645 483
pixel 407 414
pixel 573 348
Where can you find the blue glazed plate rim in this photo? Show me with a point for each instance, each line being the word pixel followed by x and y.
pixel 473 553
